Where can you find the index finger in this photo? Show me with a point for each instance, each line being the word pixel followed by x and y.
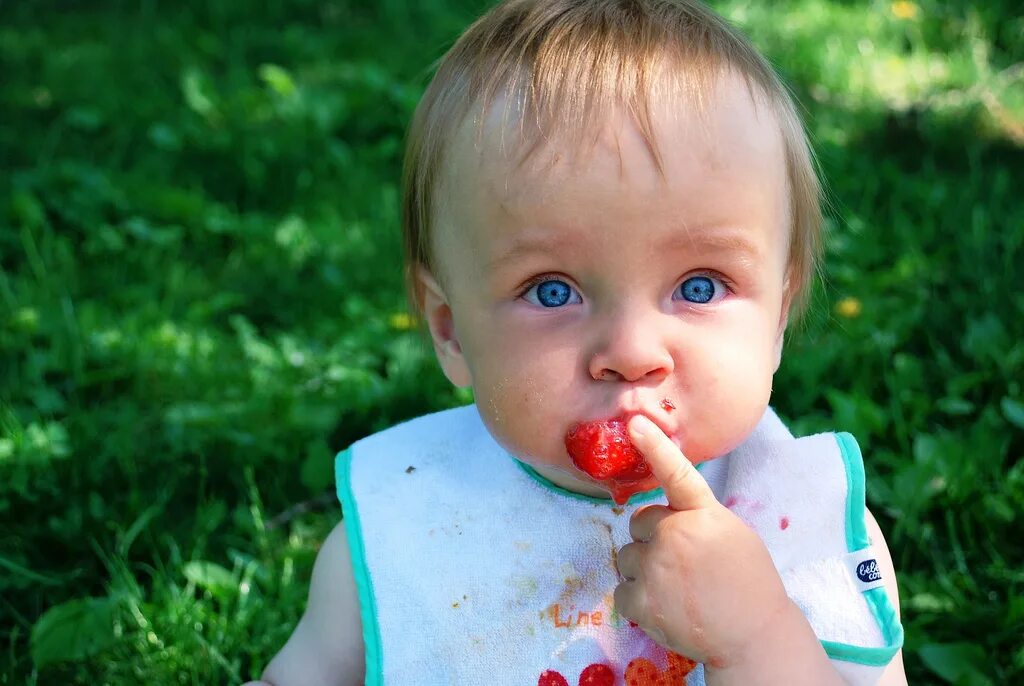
pixel 684 487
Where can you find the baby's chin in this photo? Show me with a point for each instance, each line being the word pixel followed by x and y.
pixel 567 477
pixel 572 479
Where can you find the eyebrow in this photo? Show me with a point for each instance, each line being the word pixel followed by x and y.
pixel 699 240
pixel 714 239
pixel 521 247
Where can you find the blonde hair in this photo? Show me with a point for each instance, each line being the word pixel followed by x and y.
pixel 576 60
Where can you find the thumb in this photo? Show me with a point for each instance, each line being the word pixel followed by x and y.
pixel 684 487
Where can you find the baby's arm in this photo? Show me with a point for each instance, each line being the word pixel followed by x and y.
pixel 326 648
pixel 894 674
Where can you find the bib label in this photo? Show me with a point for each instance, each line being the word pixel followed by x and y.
pixel 867 571
pixel 863 567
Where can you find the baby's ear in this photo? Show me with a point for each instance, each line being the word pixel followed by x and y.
pixel 438 314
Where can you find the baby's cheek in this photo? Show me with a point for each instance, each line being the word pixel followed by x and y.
pixel 726 406
pixel 518 414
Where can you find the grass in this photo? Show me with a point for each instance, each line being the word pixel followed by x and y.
pixel 200 301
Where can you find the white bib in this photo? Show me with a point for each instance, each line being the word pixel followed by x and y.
pixel 473 569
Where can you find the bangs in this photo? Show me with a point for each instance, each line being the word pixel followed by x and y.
pixel 581 72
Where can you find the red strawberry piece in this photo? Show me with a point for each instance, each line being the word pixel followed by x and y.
pixel 603 450
pixel 550 677
pixel 597 675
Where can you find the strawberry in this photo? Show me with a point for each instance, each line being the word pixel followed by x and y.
pixel 603 450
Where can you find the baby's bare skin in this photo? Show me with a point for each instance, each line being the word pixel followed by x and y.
pixel 326 648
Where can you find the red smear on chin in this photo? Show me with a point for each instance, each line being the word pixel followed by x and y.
pixel 667 405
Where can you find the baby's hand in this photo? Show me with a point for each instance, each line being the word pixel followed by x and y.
pixel 696 579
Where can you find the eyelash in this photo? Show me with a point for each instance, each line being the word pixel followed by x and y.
pixel 710 273
pixel 525 288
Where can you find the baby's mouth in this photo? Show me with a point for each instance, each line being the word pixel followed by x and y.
pixel 603 451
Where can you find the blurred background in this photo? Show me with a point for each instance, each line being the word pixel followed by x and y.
pixel 201 302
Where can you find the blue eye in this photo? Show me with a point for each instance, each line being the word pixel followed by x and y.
pixel 551 293
pixel 701 289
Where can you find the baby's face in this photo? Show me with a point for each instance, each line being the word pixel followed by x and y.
pixel 584 285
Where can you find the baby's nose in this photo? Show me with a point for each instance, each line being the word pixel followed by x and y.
pixel 632 350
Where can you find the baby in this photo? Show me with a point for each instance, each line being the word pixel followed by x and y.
pixel 610 213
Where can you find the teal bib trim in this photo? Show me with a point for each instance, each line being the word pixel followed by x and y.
pixel 643 497
pixel 857 539
pixel 364 585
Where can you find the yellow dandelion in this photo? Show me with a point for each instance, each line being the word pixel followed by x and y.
pixel 849 308
pixel 402 321
pixel 904 9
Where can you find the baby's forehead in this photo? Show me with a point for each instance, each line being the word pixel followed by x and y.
pixel 718 163
pixel 504 151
